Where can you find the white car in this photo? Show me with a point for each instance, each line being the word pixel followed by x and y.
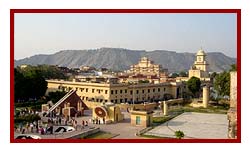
pixel 59 129
pixel 28 136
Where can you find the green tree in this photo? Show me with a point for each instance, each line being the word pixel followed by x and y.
pixel 222 83
pixel 233 67
pixel 55 96
pixel 194 85
pixel 179 134
pixel 174 75
pixel 29 85
pixel 183 74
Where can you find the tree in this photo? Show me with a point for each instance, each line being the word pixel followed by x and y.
pixel 222 83
pixel 179 134
pixel 233 67
pixel 29 85
pixel 174 75
pixel 194 85
pixel 183 74
pixel 55 96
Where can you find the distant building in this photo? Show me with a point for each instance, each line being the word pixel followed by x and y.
pixel 87 68
pixel 23 66
pixel 199 68
pixel 146 67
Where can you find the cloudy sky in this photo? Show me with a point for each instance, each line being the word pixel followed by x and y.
pixel 50 33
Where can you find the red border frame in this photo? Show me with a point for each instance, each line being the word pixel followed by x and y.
pixel 236 11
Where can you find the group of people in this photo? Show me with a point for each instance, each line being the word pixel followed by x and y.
pixel 28 127
pixel 84 124
pixel 98 120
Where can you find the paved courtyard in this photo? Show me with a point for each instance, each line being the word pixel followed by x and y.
pixel 122 130
pixel 195 125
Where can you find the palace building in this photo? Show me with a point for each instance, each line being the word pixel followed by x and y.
pixel 119 92
pixel 143 84
pixel 146 67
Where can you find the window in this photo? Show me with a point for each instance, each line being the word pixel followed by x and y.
pixel 115 100
pixel 164 89
pixel 93 90
pixel 126 100
pixel 159 89
pixel 138 120
pixel 131 92
pixel 112 101
pixel 115 91
pixel 148 90
pixel 106 91
pixel 111 91
pixel 121 91
pixel 142 91
pixel 125 91
pixel 87 98
pixel 87 89
pixel 153 90
pixel 137 91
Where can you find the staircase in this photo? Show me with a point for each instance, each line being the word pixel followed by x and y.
pixel 61 100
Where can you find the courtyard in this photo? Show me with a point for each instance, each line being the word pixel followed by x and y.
pixel 194 125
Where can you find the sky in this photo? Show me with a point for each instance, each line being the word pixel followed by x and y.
pixel 50 33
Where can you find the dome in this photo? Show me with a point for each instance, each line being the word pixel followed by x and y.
pixel 201 52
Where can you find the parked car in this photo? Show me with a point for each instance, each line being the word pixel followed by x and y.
pixel 59 129
pixel 28 136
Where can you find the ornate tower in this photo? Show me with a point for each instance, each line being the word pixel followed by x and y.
pixel 200 62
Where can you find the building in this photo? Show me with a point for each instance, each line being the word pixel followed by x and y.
pixel 146 67
pixel 119 92
pixel 141 118
pixel 199 68
pixel 108 113
pixel 69 106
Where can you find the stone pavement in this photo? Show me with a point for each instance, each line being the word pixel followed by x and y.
pixel 194 125
pixel 122 130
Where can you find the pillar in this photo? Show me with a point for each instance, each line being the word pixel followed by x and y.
pixel 165 108
pixel 205 96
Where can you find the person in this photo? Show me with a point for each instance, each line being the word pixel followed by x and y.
pixel 75 124
pixel 60 120
pixel 96 120
pixel 82 124
pixel 31 127
pixel 103 119
pixel 99 121
pixel 42 130
pixel 86 124
pixel 23 131
pixel 51 129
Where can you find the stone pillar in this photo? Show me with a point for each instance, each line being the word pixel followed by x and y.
pixel 233 89
pixel 165 108
pixel 232 112
pixel 205 96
